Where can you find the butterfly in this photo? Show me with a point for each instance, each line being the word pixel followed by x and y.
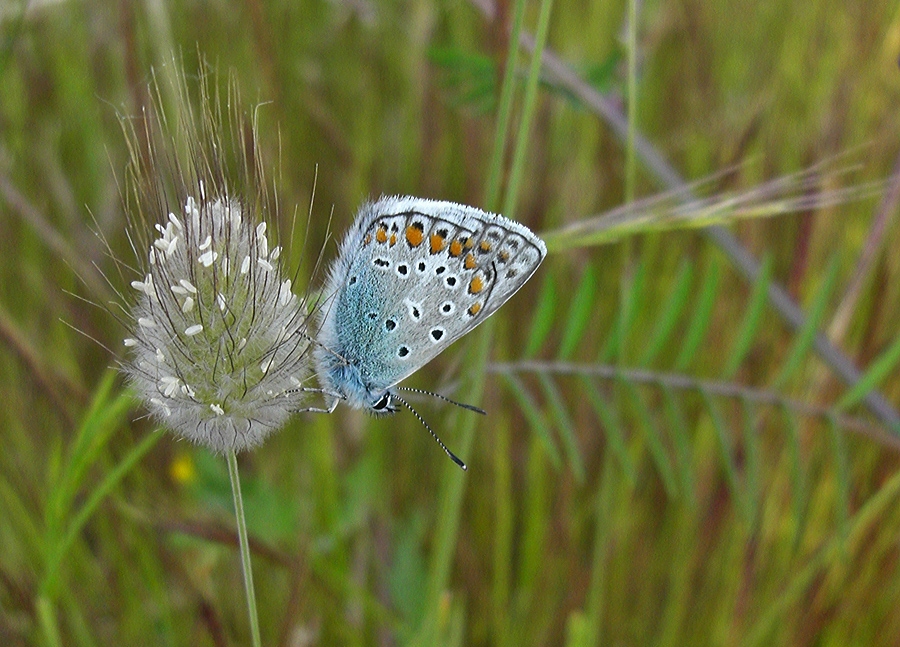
pixel 411 277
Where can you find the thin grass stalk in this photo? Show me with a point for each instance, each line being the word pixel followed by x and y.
pixel 626 256
pixel 502 547
pixel 504 112
pixel 246 566
pixel 595 600
pixel 528 105
pixel 503 525
pixel 630 155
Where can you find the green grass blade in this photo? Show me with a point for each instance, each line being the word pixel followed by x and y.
pixel 612 428
pixel 630 307
pixel 504 111
pixel 653 437
pixel 543 320
pixel 99 493
pixel 805 337
pixel 535 418
pixel 752 318
pixel 98 410
pixel 632 101
pixel 502 529
pixel 529 103
pixel 591 630
pixel 540 489
pixel 577 630
pixel 580 311
pixel 566 427
pixel 671 311
pixel 727 455
pixel 103 420
pixel 701 317
pixel 681 441
pixel 46 615
pixel 874 375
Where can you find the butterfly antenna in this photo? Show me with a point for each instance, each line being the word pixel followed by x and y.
pixel 452 456
pixel 445 399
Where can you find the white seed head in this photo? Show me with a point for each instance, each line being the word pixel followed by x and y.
pixel 216 355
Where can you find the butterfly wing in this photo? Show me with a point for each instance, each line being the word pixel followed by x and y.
pixel 413 276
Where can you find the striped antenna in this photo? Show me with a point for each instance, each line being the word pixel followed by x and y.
pixel 452 456
pixel 445 399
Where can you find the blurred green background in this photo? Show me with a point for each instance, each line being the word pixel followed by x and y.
pixel 734 492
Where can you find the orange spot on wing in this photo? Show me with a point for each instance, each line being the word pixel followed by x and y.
pixel 414 236
pixel 504 255
pixel 381 235
pixel 470 242
pixel 470 262
pixel 485 246
pixel 474 309
pixel 437 243
pixel 456 248
pixel 367 239
pixel 393 239
pixel 476 285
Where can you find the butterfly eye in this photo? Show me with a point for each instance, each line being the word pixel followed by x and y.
pixel 382 403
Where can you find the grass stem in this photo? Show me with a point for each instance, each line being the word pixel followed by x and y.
pixel 246 566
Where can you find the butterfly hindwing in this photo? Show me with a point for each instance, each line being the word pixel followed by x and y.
pixel 413 276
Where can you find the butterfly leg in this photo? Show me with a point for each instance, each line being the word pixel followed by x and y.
pixel 336 397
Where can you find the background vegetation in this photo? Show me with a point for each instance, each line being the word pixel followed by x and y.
pixel 676 464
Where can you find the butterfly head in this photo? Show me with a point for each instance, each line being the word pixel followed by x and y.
pixel 385 405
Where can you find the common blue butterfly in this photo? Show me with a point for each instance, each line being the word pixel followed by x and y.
pixel 412 276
